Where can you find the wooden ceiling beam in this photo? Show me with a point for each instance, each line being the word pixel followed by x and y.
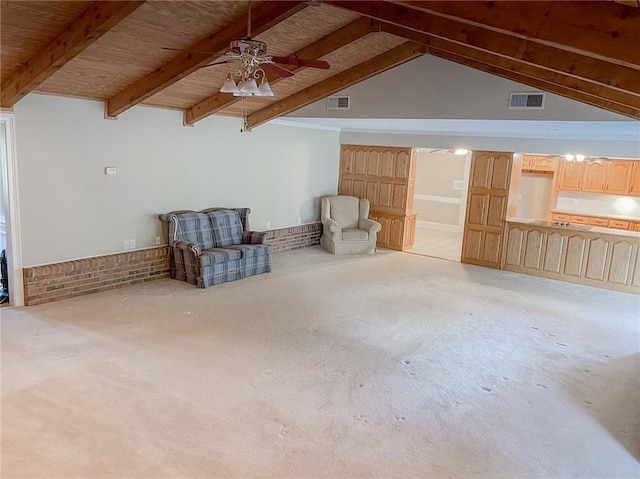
pixel 602 29
pixel 341 37
pixel 569 63
pixel 263 17
pixel 394 57
pixel 94 22
pixel 539 84
pixel 519 67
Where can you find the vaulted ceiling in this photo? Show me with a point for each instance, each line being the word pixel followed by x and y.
pixel 129 53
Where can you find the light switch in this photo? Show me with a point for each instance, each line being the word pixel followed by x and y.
pixel 110 170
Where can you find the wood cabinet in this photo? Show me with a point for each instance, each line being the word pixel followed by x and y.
pixel 619 224
pixel 386 177
pixel 571 173
pixel 538 163
pixel 609 261
pixel 634 181
pixel 580 220
pixel 602 221
pixel 595 173
pixel 614 177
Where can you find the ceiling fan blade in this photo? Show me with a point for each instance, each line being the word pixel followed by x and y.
pixel 216 64
pixel 276 70
pixel 301 62
pixel 193 51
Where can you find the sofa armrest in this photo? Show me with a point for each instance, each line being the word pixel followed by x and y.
pixel 254 237
pixel 370 226
pixel 185 245
pixel 331 229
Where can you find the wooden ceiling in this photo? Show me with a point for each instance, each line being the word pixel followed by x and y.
pixel 117 51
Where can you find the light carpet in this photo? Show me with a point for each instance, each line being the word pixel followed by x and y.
pixel 385 366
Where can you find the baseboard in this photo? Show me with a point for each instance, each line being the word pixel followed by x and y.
pixel 438 226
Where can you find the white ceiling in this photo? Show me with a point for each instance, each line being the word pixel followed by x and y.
pixel 569 130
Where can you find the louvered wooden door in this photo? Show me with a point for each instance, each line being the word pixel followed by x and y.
pixel 486 208
pixel 384 175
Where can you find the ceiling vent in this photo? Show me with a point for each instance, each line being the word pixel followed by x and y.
pixel 338 103
pixel 526 101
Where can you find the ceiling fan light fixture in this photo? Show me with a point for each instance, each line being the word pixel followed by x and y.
pixel 265 89
pixel 229 86
pixel 250 86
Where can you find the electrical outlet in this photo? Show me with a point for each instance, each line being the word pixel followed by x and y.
pixel 268 224
pixel 132 243
pixel 299 220
pixel 157 239
pixel 126 244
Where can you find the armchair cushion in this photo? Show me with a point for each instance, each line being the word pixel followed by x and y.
pixel 345 211
pixel 227 228
pixel 354 234
pixel 218 255
pixel 195 228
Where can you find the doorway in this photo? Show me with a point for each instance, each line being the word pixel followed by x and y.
pixel 9 220
pixel 440 200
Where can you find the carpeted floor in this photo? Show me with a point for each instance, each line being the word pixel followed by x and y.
pixel 390 366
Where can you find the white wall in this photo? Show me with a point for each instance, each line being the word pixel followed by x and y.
pixel 431 87
pixel 70 209
pixel 607 205
pixel 534 196
pixel 439 194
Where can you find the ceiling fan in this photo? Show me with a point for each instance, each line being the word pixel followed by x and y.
pixel 249 65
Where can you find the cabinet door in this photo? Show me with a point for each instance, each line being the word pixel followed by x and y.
pixel 581 220
pixel 618 177
pixel 527 162
pixel 595 173
pixel 634 188
pixel 599 222
pixel 543 163
pixel 571 175
pixel 619 224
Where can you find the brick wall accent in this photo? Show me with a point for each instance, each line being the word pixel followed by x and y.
pixel 67 279
pixel 52 282
pixel 295 237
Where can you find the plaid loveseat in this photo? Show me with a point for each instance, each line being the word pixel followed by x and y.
pixel 215 245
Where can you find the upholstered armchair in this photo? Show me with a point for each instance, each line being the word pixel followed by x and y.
pixel 346 227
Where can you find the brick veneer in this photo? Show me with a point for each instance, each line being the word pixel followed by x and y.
pixel 52 282
pixel 295 237
pixel 67 279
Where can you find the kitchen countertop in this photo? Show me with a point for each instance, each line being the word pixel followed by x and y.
pixel 596 215
pixel 592 229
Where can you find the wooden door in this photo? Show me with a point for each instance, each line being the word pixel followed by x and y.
pixel 571 173
pixel 486 208
pixel 595 173
pixel 386 177
pixel 634 186
pixel 618 177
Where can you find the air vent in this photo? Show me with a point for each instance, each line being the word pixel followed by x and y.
pixel 526 101
pixel 338 103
